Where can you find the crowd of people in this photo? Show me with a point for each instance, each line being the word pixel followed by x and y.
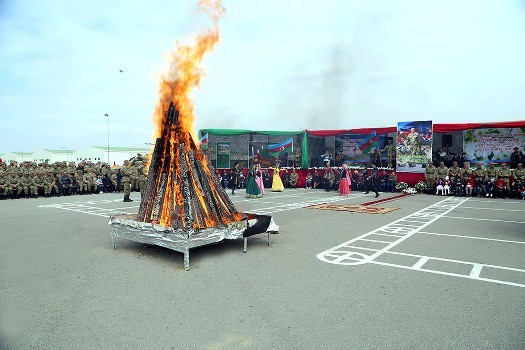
pixel 481 181
pixel 31 180
pixel 342 179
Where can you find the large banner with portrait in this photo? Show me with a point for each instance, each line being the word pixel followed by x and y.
pixel 413 146
pixel 223 155
pixel 492 145
pixel 359 149
pixel 259 154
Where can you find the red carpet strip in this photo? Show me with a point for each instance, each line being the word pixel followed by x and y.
pixel 385 199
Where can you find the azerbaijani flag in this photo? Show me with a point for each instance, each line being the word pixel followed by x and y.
pixel 203 142
pixel 280 148
pixel 368 143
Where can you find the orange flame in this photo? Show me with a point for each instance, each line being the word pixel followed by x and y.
pixel 184 72
pixel 175 85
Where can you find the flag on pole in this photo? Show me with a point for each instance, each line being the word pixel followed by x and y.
pixel 203 142
pixel 368 143
pixel 280 148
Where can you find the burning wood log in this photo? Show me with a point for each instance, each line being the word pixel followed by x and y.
pixel 182 192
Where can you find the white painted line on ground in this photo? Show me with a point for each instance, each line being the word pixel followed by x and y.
pixel 81 211
pixel 348 253
pixel 400 226
pixel 471 237
pixel 475 271
pixel 493 209
pixel 420 262
pixel 451 274
pixel 374 240
pixel 481 219
pixel 492 200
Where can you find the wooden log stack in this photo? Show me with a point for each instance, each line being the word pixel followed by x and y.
pixel 181 190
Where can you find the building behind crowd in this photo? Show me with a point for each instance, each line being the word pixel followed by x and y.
pixel 115 156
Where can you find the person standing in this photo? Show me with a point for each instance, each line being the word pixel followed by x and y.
pixel 252 189
pixel 259 178
pixel 267 180
pixel 126 181
pixel 441 156
pixel 294 178
pixel 141 177
pixel 454 171
pixel 430 177
pixel 326 157
pixel 345 182
pixel 459 157
pixel 505 174
pixel 519 173
pixel 442 171
pixel 286 179
pixel 479 177
pixel 373 180
pixel 234 177
pixel 515 158
pixel 277 184
pixel 328 177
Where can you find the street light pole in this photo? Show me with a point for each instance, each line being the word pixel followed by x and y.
pixel 107 116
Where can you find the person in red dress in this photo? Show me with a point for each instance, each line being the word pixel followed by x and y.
pixel 344 182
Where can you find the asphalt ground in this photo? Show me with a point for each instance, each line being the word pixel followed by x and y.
pixel 438 273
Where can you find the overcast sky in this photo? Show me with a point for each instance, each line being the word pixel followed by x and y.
pixel 280 65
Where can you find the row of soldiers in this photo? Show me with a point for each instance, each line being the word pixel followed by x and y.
pixel 29 179
pixel 513 178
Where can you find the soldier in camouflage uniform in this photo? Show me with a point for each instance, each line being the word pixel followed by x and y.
pixel 126 180
pixel 13 185
pixel 50 184
pixel 134 176
pixel 479 177
pixel 466 172
pixel 114 181
pixel 519 181
pixel 492 172
pixel 39 183
pixel 431 174
pixel 141 177
pixel 519 173
pixel 3 184
pixel 454 171
pixel 505 174
pixel 26 185
pixel 82 186
pixel 89 181
pixel 390 153
pixel 442 171
pixel 70 168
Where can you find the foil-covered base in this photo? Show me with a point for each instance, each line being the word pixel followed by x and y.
pixel 126 226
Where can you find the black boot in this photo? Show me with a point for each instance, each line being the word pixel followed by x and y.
pixel 127 199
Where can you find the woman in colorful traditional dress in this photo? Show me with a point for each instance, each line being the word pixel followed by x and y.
pixel 344 182
pixel 252 189
pixel 277 184
pixel 259 178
